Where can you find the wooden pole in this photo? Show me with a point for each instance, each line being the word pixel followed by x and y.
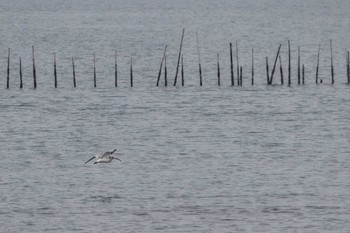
pixel 267 71
pixel 298 65
pixel 94 70
pixel 332 67
pixel 8 70
pixel 165 72
pixel 348 66
pixel 74 81
pixel 281 70
pixel 55 70
pixel 20 74
pixel 289 64
pixel 252 67
pixel 303 75
pixel 274 65
pixel 318 62
pixel 131 74
pixel 178 60
pixel 199 62
pixel 241 77
pixel 232 73
pixel 182 71
pixel 161 65
pixel 115 70
pixel 34 70
pixel 218 65
pixel 238 80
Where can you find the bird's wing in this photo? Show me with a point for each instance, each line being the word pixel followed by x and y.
pixel 89 160
pixel 105 155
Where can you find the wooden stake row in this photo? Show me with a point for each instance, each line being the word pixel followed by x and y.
pixel 269 78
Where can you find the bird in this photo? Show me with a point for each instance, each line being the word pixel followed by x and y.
pixel 105 158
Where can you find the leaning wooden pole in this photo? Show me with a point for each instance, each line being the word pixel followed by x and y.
pixel 20 74
pixel 303 75
pixel 165 73
pixel 182 71
pixel 281 70
pixel 252 67
pixel 94 70
pixel 267 71
pixel 74 81
pixel 218 67
pixel 115 70
pixel 274 65
pixel 34 70
pixel 178 60
pixel 55 69
pixel 131 74
pixel 232 73
pixel 289 64
pixel 8 70
pixel 318 62
pixel 161 66
pixel 241 76
pixel 199 62
pixel 348 66
pixel 299 74
pixel 332 67
pixel 237 58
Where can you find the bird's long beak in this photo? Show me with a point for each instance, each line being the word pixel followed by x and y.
pixel 118 159
pixel 89 160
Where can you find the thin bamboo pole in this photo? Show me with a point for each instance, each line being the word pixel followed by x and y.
pixel 8 70
pixel 94 70
pixel 218 66
pixel 318 62
pixel 115 70
pixel 332 67
pixel 199 63
pixel 20 74
pixel 281 70
pixel 74 81
pixel 232 73
pixel 131 74
pixel 289 64
pixel 178 60
pixel 55 69
pixel 274 65
pixel 161 65
pixel 34 70
pixel 252 67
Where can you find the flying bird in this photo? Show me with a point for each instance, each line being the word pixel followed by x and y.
pixel 105 158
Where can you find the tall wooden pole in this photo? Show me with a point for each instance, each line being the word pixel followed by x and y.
pixel 55 70
pixel 332 67
pixel 218 66
pixel 20 74
pixel 115 70
pixel 34 70
pixel 237 63
pixel 318 62
pixel 94 70
pixel 289 64
pixel 8 70
pixel 74 81
pixel 161 65
pixel 199 63
pixel 252 67
pixel 178 60
pixel 232 73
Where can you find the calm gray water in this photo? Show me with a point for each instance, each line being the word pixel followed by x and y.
pixel 194 159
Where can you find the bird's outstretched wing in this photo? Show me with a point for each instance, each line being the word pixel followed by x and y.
pixel 89 160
